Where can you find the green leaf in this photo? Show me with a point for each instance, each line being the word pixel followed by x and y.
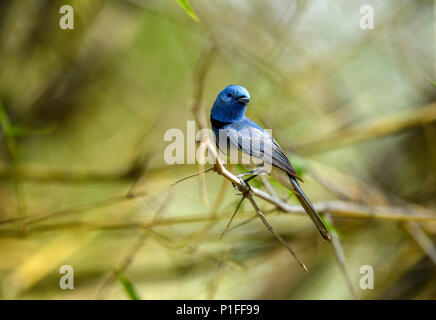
pixel 187 7
pixel 127 285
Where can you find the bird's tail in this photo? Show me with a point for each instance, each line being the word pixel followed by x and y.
pixel 310 210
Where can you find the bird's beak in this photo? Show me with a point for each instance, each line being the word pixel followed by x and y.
pixel 243 99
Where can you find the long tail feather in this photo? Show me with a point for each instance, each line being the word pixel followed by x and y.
pixel 310 210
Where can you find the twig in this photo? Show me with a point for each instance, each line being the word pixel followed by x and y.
pixel 268 186
pixel 202 179
pixel 340 257
pixel 421 239
pixel 193 175
pixel 275 234
pixel 243 223
pixel 233 215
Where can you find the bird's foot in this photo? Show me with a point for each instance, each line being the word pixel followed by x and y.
pixel 244 174
pixel 243 187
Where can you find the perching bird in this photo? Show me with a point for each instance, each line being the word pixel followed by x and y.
pixel 235 132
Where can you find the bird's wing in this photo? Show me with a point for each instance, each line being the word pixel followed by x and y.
pixel 252 140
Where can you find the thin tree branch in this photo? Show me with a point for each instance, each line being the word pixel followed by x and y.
pixel 340 257
pixel 421 239
pixel 233 215
pixel 193 175
pixel 275 234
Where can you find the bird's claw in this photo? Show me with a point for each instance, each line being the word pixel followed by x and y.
pixel 243 187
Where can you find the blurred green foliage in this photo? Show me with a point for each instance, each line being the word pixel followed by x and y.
pixel 86 110
pixel 187 7
pixel 128 286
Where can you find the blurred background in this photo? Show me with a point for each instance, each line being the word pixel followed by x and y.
pixel 83 181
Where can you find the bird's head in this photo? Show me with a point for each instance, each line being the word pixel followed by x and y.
pixel 230 104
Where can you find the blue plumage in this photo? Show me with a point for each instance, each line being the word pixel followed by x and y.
pixel 233 129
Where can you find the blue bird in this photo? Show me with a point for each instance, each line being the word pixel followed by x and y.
pixel 234 132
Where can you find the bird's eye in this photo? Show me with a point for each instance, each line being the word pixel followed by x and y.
pixel 229 95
